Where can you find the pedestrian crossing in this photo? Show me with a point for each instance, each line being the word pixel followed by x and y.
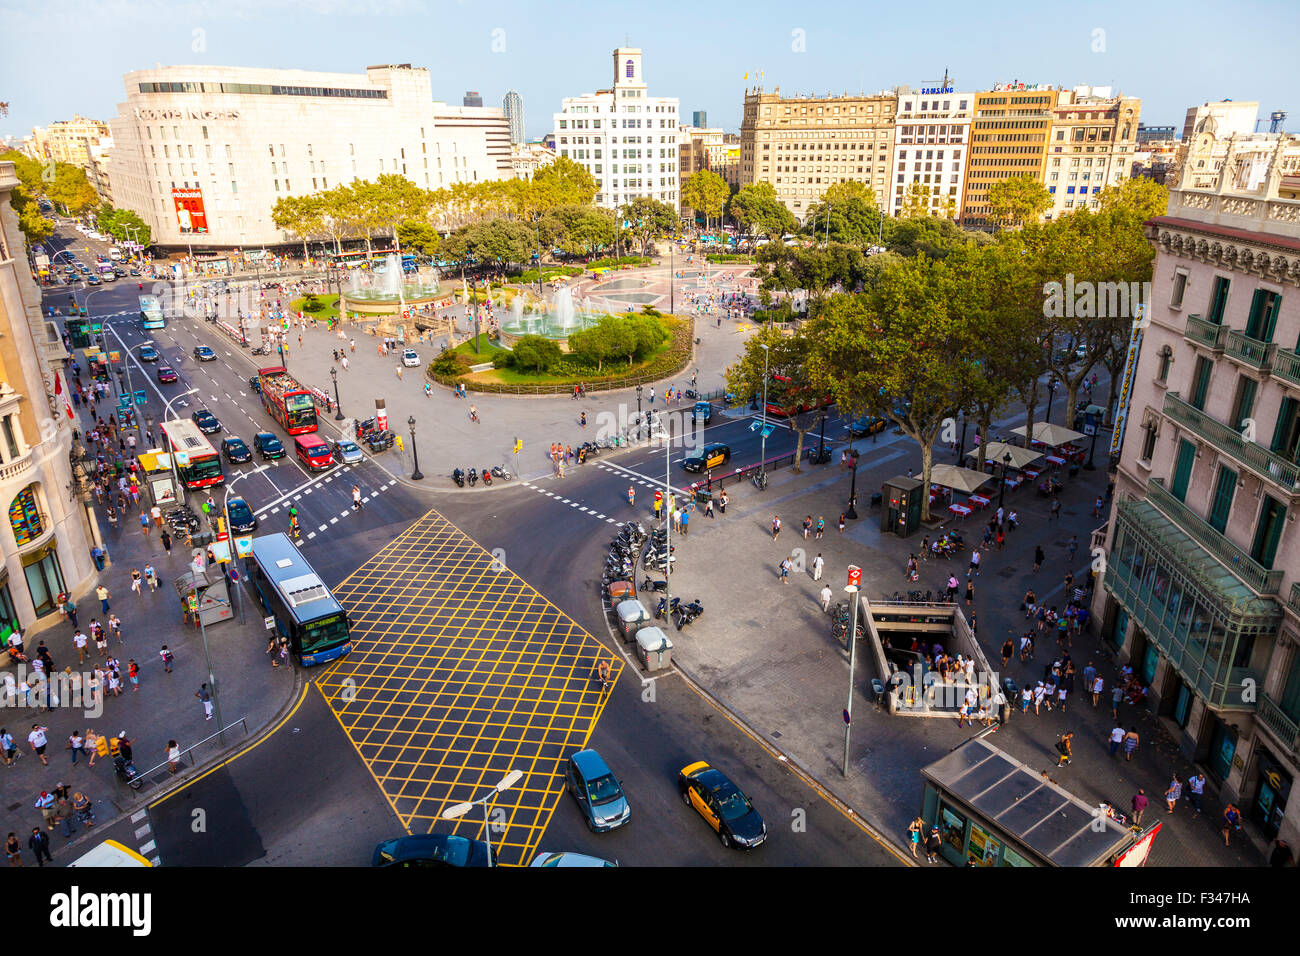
pixel 582 509
pixel 287 503
pixel 148 846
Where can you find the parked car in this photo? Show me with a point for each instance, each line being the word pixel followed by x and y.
pixel 711 456
pixel 432 849
pixel 568 860
pixel 598 792
pixel 235 450
pixel 268 446
pixel 722 804
pixel 241 517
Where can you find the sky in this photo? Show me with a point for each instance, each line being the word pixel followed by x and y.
pixel 69 56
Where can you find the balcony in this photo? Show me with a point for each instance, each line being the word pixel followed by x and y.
pixel 1264 463
pixel 1283 727
pixel 1248 351
pixel 1201 332
pixel 1236 560
pixel 18 468
pixel 1293 602
pixel 1286 366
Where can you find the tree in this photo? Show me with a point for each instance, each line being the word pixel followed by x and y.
pixel 563 183
pixel 787 356
pixel 123 224
pixel 497 240
pixel 419 236
pixel 916 201
pixel 648 218
pixel 34 226
pixel 536 352
pixel 930 235
pixel 395 199
pixel 1140 198
pixel 757 211
pixel 304 216
pixel 705 192
pixel 578 230
pixel 1018 200
pixel 70 189
pixel 847 213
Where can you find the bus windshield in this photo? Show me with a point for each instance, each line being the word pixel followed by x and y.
pixel 300 410
pixel 323 633
pixel 201 470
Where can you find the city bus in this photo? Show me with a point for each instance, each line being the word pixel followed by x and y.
pixel 197 462
pixel 785 398
pixel 151 313
pixel 110 853
pixel 306 614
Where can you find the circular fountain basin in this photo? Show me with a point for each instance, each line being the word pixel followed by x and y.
pixel 618 284
pixel 379 302
pixel 547 326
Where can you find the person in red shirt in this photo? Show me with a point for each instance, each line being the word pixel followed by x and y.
pixel 1140 803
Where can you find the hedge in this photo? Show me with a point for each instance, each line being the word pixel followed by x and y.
pixel 721 257
pixel 620 261
pixel 548 273
pixel 671 361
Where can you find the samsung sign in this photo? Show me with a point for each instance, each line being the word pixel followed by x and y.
pixel 935 90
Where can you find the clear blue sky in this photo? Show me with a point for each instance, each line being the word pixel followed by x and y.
pixel 63 58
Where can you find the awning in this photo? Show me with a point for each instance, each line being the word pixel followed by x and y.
pixel 1051 435
pixel 959 479
pixel 996 450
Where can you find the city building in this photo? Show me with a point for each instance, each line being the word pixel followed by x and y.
pixel 527 158
pixel 1009 134
pixel 710 149
pixel 47 538
pixel 700 119
pixel 472 98
pixel 69 141
pixel 1222 119
pixel 803 144
pixel 1157 160
pixel 931 137
pixel 202 153
pixel 1201 583
pixel 1156 134
pixel 626 139
pixel 1093 142
pixel 512 104
pixel 97 170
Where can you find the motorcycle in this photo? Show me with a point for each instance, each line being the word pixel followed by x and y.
pixel 684 614
pixel 664 608
pixel 649 584
pixel 500 471
pixel 691 394
pixel 473 477
pixel 487 476
pixel 458 476
pixel 126 772
pixel 589 449
pixel 380 441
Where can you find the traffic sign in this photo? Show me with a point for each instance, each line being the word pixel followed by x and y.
pixel 847 719
pixel 269 622
pixel 855 576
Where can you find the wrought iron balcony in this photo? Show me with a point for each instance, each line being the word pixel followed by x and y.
pixel 1286 366
pixel 1235 559
pixel 1248 351
pixel 1268 465
pixel 1205 333
pixel 1286 730
pixel 1293 602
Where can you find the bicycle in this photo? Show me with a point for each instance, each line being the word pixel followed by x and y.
pixel 759 480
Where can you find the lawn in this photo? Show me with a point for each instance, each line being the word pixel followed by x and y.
pixel 487 348
pixel 510 376
pixel 329 307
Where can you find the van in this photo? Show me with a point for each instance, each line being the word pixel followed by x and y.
pixel 115 254
pixel 313 452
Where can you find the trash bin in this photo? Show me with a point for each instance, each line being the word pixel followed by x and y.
pixel 632 616
pixel 621 591
pixel 653 648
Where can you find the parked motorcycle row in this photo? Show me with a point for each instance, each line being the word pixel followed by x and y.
pixel 460 476
pixel 651 550
pixel 375 438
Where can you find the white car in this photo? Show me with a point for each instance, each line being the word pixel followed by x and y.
pixel 411 358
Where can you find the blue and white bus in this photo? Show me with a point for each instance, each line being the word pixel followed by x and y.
pixel 306 614
pixel 151 313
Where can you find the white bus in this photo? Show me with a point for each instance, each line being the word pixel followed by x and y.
pixel 110 853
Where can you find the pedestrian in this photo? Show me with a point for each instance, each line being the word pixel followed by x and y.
pixel 841 522
pixel 173 752
pixel 914 833
pixel 776 527
pixel 817 565
pixel 1097 506
pixel 13 850
pixel 101 638
pixel 70 608
pixel 133 675
pixel 1073 546
pixel 40 844
pixel 155 513
pixel 166 540
pixel 785 571
pixel 722 502
pixel 1116 696
pixel 1130 743
pixel 63 811
pixel 101 592
pixel 1172 793
pixel 8 749
pixel 356 497
pixel 137 584
pixel 1231 821
pixel 807 526
pixel 167 658
pixel 826 595
pixel 820 528
pixel 205 697
pixel 1140 803
pixel 970 593
pixel 686 518
pixel 77 744
pixel 933 844
pixel 144 524
pixel 974 563
pixel 1056 510
pixel 1038 557
pixel 1196 790
pixel 1116 738
pixel 80 640
pixel 1008 649
pixel 38 742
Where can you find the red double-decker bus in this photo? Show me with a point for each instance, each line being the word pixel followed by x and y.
pixel 196 461
pixel 289 402
pixel 784 398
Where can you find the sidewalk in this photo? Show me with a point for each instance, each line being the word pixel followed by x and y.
pixel 163 709
pixel 765 649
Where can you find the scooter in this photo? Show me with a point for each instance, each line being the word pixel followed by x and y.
pixel 500 471
pixel 686 613
pixel 126 772
pixel 473 477
pixel 691 394
pixel 650 584
pixel 487 476
pixel 664 608
pixel 458 476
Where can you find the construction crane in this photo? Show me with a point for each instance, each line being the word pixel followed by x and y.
pixel 1276 118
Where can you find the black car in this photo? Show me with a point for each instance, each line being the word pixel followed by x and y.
pixel 206 421
pixel 711 456
pixel 235 450
pixel 722 804
pixel 241 517
pixel 432 849
pixel 268 446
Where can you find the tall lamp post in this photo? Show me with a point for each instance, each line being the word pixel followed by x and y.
pixel 415 456
pixel 460 809
pixel 638 411
pixel 338 406
pixel 762 455
pixel 1002 489
pixel 852 510
pixel 1051 397
pixel 672 277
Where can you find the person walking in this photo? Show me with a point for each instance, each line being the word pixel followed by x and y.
pixel 686 518
pixel 1231 821
pixel 1172 794
pixel 1063 752
pixel 807 526
pixel 1055 514
pixel 818 564
pixel 933 844
pixel 1130 743
pixel 40 844
pixel 39 741
pixel 1140 803
pixel 356 497
pixel 820 528
pixel 974 568
pixel 166 540
pixel 785 571
pixel 205 698
pixel 133 675
pixel 970 593
pixel 80 640
pixel 144 524
pixel 76 744
pixel 1196 790
pixel 137 584
pixel 81 806
pixel 173 752
pixel 102 594
pixel 167 658
pixel 151 577
pixel 722 502
pixel 776 527
pixel 1116 698
pixel 1116 738
pixel 1038 557
pixel 826 595
pixel 1008 650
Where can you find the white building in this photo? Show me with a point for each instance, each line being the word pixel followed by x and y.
pixel 626 139
pixel 202 153
pixel 513 106
pixel 1222 119
pixel 527 158
pixel 1091 147
pixel 930 140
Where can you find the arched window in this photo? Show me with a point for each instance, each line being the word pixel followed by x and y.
pixel 25 517
pixel 629 68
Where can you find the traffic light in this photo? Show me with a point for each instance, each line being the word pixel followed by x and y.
pixel 518 445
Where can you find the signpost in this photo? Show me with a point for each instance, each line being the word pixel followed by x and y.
pixel 854 585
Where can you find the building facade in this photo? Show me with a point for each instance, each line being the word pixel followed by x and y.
pixel 931 138
pixel 472 98
pixel 70 141
pixel 802 145
pixel 46 539
pixel 1156 134
pixel 527 158
pixel 1221 119
pixel 700 119
pixel 625 138
pixel 1093 144
pixel 1009 137
pixel 1201 587
pixel 710 149
pixel 512 104
pixel 202 153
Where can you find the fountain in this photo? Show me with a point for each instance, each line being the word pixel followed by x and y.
pixel 562 317
pixel 389 292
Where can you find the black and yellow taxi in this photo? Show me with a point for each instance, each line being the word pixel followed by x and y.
pixel 722 804
pixel 711 456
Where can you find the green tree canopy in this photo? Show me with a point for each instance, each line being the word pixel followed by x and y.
pixel 704 192
pixel 647 218
pixel 1018 200
pixel 847 213
pixel 758 212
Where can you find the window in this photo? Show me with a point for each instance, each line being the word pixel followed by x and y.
pixel 1264 306
pixel 1221 504
pixel 1200 382
pixel 25 517
pixel 1286 434
pixel 1272 519
pixel 1180 287
pixel 1152 429
pixel 1219 300
pixel 1243 403
pixel 1183 469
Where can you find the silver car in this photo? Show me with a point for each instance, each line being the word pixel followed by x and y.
pixel 346 452
pixel 598 792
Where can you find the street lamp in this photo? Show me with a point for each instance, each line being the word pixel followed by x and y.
pixel 672 277
pixel 762 454
pixel 1002 491
pixel 1051 397
pixel 415 456
pixel 852 511
pixel 460 809
pixel 852 591
pixel 638 411
pixel 668 525
pixel 338 406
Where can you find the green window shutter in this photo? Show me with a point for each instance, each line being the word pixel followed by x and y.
pixel 1224 489
pixel 1286 434
pixel 1258 305
pixel 1183 469
pixel 1219 301
pixel 1270 316
pixel 1272 519
pixel 1200 382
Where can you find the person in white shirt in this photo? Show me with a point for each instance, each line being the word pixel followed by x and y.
pixel 38 741
pixel 1116 738
pixel 818 564
pixel 826 595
